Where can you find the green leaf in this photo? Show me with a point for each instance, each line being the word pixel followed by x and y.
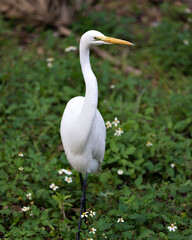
pixel 2 229
pixel 145 234
pixel 161 234
pixel 130 150
pixel 3 175
pixel 113 146
pixel 184 189
pixel 181 125
pixel 66 197
pixel 57 199
pixel 128 234
pixel 126 191
pixel 149 110
pixel 67 204
pixel 102 225
pixel 130 200
pixel 139 180
pixel 187 232
pixel 166 218
pixel 3 164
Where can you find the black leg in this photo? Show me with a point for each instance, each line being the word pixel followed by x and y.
pixel 83 204
pixel 82 184
pixel 81 179
pixel 84 193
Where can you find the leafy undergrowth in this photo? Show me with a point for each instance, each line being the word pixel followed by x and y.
pixel 153 190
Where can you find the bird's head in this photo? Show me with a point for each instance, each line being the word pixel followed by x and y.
pixel 93 37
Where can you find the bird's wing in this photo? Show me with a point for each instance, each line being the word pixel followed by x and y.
pixel 98 135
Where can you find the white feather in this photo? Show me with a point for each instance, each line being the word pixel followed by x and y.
pixel 83 129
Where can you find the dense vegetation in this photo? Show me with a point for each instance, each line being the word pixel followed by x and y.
pixel 154 151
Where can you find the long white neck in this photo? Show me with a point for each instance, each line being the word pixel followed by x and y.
pixel 91 95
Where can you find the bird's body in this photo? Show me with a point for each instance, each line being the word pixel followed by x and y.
pixel 82 128
pixel 84 149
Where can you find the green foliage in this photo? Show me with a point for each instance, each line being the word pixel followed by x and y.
pixel 154 107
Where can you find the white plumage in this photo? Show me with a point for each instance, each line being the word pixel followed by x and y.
pixel 83 129
pixel 84 146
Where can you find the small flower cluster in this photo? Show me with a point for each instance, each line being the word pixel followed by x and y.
pixel 70 49
pixel 86 214
pixel 149 144
pixel 53 186
pixel 50 62
pixel 120 172
pixel 186 42
pixel 68 172
pixel 24 209
pixel 91 214
pixel 67 179
pixel 104 235
pixel 28 195
pixel 118 131
pixel 172 165
pixel 20 154
pixel 120 220
pixel 93 230
pixel 172 228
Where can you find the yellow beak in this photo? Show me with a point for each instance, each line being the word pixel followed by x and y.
pixel 111 40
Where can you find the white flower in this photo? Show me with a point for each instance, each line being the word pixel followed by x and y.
pixel 108 124
pixel 31 214
pixel 118 132
pixel 186 42
pixel 116 122
pixel 120 172
pixel 50 59
pixel 106 193
pixel 49 65
pixel 20 154
pixel 53 186
pixel 104 235
pixel 93 230
pixel 67 171
pixel 84 214
pixel 172 228
pixel 112 86
pixel 172 165
pixel 61 171
pixel 21 168
pixel 149 144
pixel 120 220
pixel 92 213
pixel 68 179
pixel 28 195
pixel 24 209
pixel 188 10
pixel 89 238
pixel 70 48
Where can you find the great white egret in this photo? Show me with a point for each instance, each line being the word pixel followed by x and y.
pixel 82 128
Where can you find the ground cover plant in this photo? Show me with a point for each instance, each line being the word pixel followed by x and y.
pixel 145 188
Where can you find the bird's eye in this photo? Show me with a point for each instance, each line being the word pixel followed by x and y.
pixel 96 38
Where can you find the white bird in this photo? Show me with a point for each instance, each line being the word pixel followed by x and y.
pixel 83 130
